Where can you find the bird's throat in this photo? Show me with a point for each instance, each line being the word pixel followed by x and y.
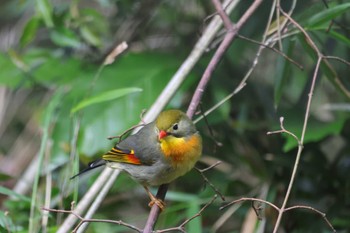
pixel 181 150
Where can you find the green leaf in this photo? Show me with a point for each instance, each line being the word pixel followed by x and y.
pixel 151 75
pixel 44 8
pixel 10 193
pixel 4 177
pixel 183 197
pixel 340 37
pixel 65 37
pixel 105 96
pixel 29 31
pixel 6 224
pixel 90 36
pixel 195 224
pixel 93 27
pixel 326 16
pixel 10 75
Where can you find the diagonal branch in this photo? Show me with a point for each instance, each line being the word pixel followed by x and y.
pixel 229 37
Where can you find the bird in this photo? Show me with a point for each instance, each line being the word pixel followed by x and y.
pixel 157 154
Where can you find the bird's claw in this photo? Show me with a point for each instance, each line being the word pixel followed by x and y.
pixel 158 202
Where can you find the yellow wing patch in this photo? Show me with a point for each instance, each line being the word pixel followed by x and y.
pixel 121 156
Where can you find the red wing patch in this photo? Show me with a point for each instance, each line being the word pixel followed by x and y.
pixel 121 156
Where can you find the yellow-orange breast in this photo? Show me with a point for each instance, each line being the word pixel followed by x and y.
pixel 182 151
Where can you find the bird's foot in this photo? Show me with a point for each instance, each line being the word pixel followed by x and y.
pixel 158 202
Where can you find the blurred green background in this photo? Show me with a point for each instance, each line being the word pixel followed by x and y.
pixel 51 56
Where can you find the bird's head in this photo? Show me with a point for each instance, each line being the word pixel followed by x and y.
pixel 174 123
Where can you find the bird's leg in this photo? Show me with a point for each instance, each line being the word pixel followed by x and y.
pixel 154 200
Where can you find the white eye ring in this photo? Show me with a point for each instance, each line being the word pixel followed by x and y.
pixel 175 126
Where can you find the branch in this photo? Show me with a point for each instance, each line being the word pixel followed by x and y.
pixel 306 117
pixel 243 199
pixel 229 37
pixel 264 44
pixel 250 199
pixel 337 59
pixel 206 180
pixel 181 228
pixel 84 220
pixel 273 49
pixel 323 215
pixel 283 130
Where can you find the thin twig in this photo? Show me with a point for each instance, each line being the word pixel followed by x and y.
pixel 231 34
pixel 250 199
pixel 210 167
pixel 120 137
pixel 279 28
pixel 323 215
pixel 201 172
pixel 211 133
pixel 243 199
pixel 273 49
pixel 338 59
pixel 132 128
pixel 84 220
pixel 283 130
pixel 87 199
pixel 257 210
pixel 307 112
pixel 181 228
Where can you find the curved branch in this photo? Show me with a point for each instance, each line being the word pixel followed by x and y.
pixel 250 199
pixel 323 215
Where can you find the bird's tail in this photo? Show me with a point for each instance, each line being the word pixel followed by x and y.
pixel 92 165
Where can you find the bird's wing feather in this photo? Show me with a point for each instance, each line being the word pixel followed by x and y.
pixel 121 155
pixel 92 165
pixel 137 149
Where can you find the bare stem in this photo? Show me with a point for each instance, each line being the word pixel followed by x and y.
pixel 243 199
pixel 229 37
pixel 273 49
pixel 84 220
pixel 206 180
pixel 283 130
pixel 181 228
pixel 306 117
pixel 323 215
pixel 250 199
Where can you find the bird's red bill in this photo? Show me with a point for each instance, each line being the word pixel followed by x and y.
pixel 162 134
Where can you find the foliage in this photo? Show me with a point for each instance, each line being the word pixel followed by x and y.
pixel 53 82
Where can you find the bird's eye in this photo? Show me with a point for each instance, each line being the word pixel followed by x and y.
pixel 175 126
